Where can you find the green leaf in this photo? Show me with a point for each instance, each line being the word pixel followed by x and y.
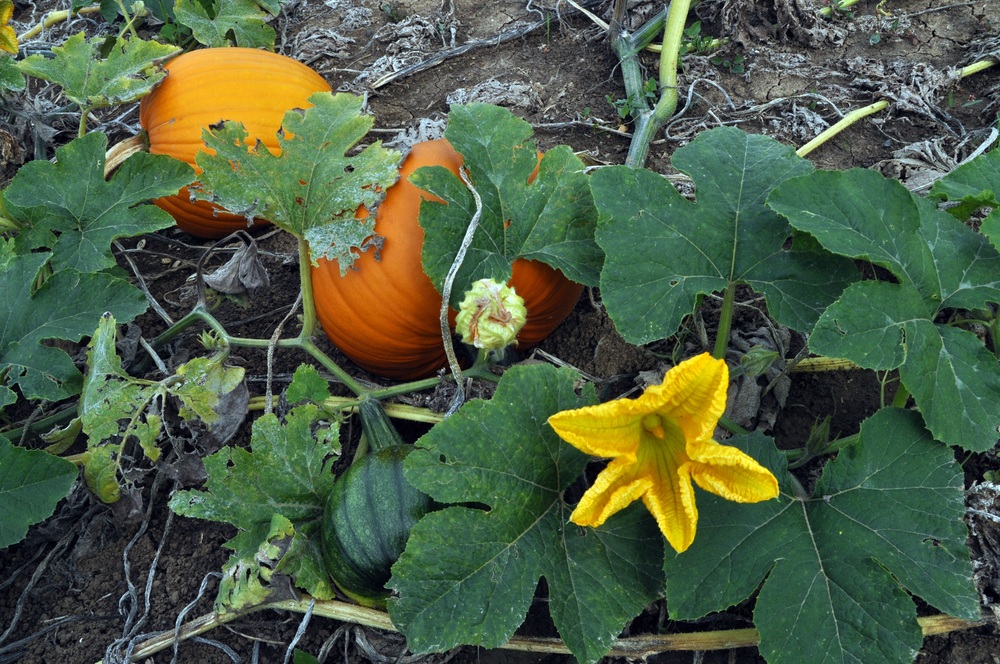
pixel 940 264
pixel 115 407
pixel 287 473
pixel 128 72
pixel 664 252
pixel 32 482
pixel 468 575
pixel 11 78
pixel 885 516
pixel 974 185
pixel 65 307
pixel 312 189
pixel 69 207
pixel 233 22
pixel 307 385
pixel 550 219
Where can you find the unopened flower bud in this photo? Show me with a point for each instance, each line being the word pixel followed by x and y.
pixel 491 315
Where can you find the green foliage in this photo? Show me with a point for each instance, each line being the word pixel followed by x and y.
pixel 116 408
pixel 127 71
pixel 941 266
pixel 32 482
pixel 468 574
pixel 69 207
pixel 64 307
pixel 632 104
pixel 884 518
pixel 664 252
pixel 229 22
pixel 11 78
pixel 274 494
pixel 551 219
pixel 312 188
pixel 973 186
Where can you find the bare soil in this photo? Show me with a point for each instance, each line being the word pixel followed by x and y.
pixel 552 66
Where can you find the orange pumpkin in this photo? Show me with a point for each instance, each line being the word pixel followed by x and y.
pixel 385 314
pixel 207 86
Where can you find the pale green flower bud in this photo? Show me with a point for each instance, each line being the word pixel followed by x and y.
pixel 491 315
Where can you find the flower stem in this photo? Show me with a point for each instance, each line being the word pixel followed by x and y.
pixel 725 322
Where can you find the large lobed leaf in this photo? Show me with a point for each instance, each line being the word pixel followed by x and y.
pixel 940 265
pixel 64 307
pixel 884 518
pixel 973 186
pixel 69 207
pixel 274 494
pixel 664 252
pixel 550 219
pixel 312 189
pixel 32 482
pixel 128 71
pixel 468 575
pixel 232 22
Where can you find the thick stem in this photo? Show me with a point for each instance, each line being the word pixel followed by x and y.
pixel 649 123
pixel 725 322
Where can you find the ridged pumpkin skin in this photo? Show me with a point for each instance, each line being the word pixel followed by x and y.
pixel 384 315
pixel 207 86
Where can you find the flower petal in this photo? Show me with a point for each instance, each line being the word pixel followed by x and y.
pixel 693 393
pixel 618 486
pixel 671 499
pixel 730 473
pixel 610 429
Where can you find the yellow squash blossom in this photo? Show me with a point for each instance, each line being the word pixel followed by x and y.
pixel 657 444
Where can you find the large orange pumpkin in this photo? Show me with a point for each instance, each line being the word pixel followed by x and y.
pixel 385 315
pixel 207 86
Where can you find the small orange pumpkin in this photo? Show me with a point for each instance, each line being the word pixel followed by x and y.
pixel 207 86
pixel 385 314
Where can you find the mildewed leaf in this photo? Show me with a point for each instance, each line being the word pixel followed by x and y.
pixel 115 407
pixel 550 219
pixel 468 575
pixel 128 72
pixel 312 188
pixel 885 516
pixel 233 22
pixel 66 307
pixel 286 473
pixel 664 252
pixel 69 207
pixel 32 482
pixel 939 264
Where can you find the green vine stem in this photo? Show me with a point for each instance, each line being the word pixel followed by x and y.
pixel 840 126
pixel 632 647
pixel 52 18
pixel 648 123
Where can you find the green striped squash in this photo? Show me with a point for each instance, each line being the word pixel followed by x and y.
pixel 369 514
